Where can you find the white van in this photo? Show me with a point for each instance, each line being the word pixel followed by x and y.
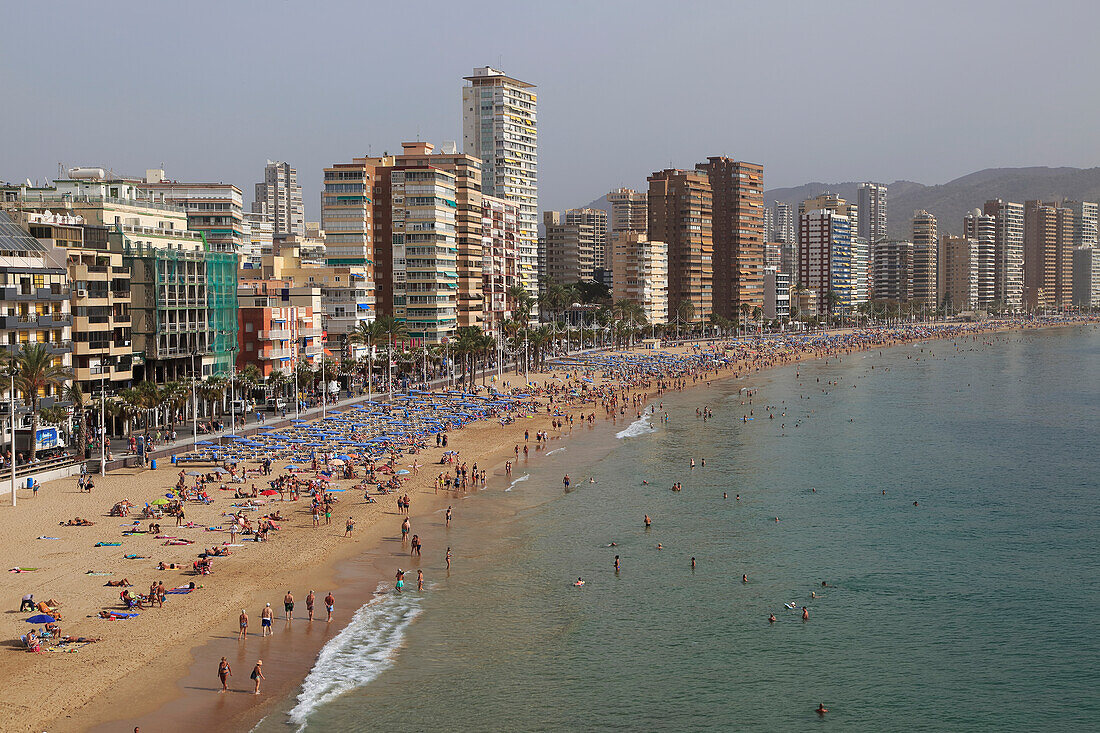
pixel 276 404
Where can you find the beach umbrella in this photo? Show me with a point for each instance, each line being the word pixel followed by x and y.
pixel 159 501
pixel 402 472
pixel 220 470
pixel 291 465
pixel 269 492
pixel 194 473
pixel 204 442
pixel 41 618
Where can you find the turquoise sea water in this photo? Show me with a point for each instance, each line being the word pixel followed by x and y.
pixel 975 610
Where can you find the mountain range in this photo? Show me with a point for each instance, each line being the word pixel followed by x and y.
pixel 950 201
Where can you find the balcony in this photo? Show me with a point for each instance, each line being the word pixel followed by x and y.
pixel 275 354
pixel 281 334
pixel 55 320
pixel 310 332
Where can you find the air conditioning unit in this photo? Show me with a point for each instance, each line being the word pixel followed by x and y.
pixel 82 293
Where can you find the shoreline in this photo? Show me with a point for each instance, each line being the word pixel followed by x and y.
pixel 153 686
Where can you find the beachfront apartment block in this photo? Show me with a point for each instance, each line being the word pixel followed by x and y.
pixel 959 273
pixel 500 127
pixel 1008 254
pixel 597 220
pixel 280 325
pixel 34 299
pixel 279 196
pixel 893 269
pixel 777 294
pixel 680 207
pixel 1048 256
pixel 982 228
pixel 499 259
pixel 924 278
pixel 737 232
pixel 825 263
pixel 1086 277
pixel 640 274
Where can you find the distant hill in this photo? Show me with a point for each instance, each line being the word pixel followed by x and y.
pixel 950 201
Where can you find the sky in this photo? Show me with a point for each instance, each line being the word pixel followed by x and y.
pixel 815 91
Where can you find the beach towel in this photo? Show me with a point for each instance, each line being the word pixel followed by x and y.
pixel 107 544
pixel 120 614
pixel 22 570
pixel 43 537
pixel 99 572
pixel 179 591
pixel 136 557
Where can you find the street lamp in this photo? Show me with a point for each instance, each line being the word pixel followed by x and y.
pixel 104 368
pixel 11 371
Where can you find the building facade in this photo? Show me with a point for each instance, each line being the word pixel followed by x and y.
pixel 499 259
pixel 680 209
pixel 925 238
pixel 1086 277
pixel 893 270
pixel 737 195
pixel 640 274
pixel 959 270
pixel 982 228
pixel 280 325
pixel 1048 256
pixel 500 127
pixel 629 212
pixel 1008 254
pixel 872 212
pixel 777 294
pixel 215 209
pixel 601 252
pixel 825 264
pixel 279 196
pixel 570 249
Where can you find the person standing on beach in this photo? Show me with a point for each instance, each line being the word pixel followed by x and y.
pixel 309 604
pixel 224 673
pixel 257 675
pixel 349 527
pixel 288 605
pixel 448 516
pixel 244 625
pixel 330 603
pixel 420 580
pixel 448 558
pixel 266 617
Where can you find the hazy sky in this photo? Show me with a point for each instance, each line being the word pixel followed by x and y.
pixel 828 91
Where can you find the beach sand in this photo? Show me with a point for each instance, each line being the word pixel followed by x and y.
pixel 132 671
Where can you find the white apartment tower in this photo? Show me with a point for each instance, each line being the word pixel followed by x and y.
pixel 499 126
pixel 629 211
pixel 983 230
pixel 872 209
pixel 279 196
pixel 597 219
pixel 1008 253
pixel 783 223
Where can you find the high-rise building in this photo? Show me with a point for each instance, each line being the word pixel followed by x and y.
pixel 893 269
pixel 958 273
pixel 982 228
pixel 215 209
pixel 1048 255
pixel 925 238
pixel 259 235
pixel 1086 277
pixel 628 211
pixel 280 196
pixel 499 126
pixel 355 199
pixel 773 256
pixel 828 201
pixel 783 224
pixel 499 259
pixel 737 194
pixel 570 249
pixel 641 274
pixel 601 253
pixel 680 215
pixel 825 262
pixel 1085 215
pixel 872 211
pixel 1008 254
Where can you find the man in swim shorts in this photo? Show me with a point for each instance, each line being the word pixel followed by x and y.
pixel 330 602
pixel 265 620
pixel 309 604
pixel 244 625
pixel 288 605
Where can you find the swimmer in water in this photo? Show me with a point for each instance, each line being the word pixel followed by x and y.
pixel 616 563
pixel 692 559
pixel 745 578
pixel 725 495
pixel 648 521
pixel 579 582
pixel 771 618
pixel 659 547
pixel 821 709
pixel 805 614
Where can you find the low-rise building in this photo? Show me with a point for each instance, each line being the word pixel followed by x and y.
pixel 640 273
pixel 280 325
pixel 777 294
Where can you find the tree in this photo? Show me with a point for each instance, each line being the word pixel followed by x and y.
pixel 520 303
pixel 38 374
pixel 78 429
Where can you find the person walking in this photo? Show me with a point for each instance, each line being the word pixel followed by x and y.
pixel 224 673
pixel 266 616
pixel 244 625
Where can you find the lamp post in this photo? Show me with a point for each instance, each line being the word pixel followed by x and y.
pixel 102 418
pixel 324 384
pixel 12 370
pixel 194 407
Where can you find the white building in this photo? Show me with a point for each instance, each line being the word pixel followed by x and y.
pixel 1008 253
pixel 499 125
pixel 872 211
pixel 825 259
pixel 1086 277
pixel 640 274
pixel 983 230
pixel 1084 222
pixel 783 223
pixel 777 294
pixel 280 196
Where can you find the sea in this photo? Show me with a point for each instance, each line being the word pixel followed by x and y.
pixel 935 507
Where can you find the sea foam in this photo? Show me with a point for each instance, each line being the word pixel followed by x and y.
pixel 360 652
pixel 641 426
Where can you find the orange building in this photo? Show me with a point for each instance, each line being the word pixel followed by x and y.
pixel 280 325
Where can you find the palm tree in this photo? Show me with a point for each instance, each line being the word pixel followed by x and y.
pixel 38 373
pixel 393 330
pixel 521 302
pixel 77 429
pixel 539 338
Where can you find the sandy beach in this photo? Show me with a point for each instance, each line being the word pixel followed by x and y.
pixel 130 672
